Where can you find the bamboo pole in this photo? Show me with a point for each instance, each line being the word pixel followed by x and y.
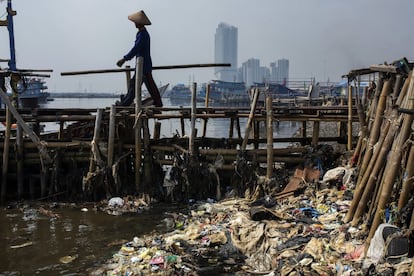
pixel 191 145
pixel 40 144
pixel 6 149
pixel 138 108
pixel 408 181
pixel 206 104
pixel 95 154
pixel 369 163
pixel 250 120
pixel 269 132
pixel 181 66
pixel 148 173
pixel 376 126
pixel 315 135
pixel 303 130
pixel 157 130
pixel 349 118
pixel 111 136
pixel 394 160
pixel 20 158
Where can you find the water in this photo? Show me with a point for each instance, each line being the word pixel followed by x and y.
pixel 33 244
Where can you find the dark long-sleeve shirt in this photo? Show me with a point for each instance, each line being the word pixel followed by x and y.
pixel 142 49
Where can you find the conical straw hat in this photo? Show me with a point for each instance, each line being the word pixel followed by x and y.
pixel 139 18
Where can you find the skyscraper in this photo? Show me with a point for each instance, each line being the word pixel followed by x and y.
pixel 225 51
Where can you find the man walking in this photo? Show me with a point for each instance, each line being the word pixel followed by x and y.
pixel 141 48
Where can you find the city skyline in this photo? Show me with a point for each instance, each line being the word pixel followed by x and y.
pixel 321 39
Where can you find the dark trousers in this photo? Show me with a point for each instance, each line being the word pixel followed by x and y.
pixel 151 87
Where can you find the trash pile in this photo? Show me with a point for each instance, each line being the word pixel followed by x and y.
pixel 121 205
pixel 296 235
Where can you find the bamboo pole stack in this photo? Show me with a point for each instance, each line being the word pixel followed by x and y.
pixel 386 154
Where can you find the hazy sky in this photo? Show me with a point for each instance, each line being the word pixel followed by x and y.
pixel 321 38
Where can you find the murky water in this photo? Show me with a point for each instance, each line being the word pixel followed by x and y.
pixel 32 243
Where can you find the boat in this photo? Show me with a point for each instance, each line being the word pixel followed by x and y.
pixel 32 92
pixel 225 92
pixel 180 92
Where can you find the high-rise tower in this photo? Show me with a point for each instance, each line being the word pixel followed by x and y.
pixel 225 51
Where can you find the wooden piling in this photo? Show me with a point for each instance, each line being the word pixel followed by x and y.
pixel 349 118
pixel 138 125
pixel 191 145
pixel 6 149
pixel 157 130
pixel 206 104
pixel 250 119
pixel 20 158
pixel 269 132
pixel 95 153
pixel 111 136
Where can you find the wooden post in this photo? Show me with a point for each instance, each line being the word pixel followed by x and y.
pixel 231 128
pixel 20 153
pixel 95 156
pixel 157 130
pixel 111 135
pixel 206 104
pixel 6 155
pixel 147 153
pixel 269 132
pixel 408 182
pixel 138 108
pixel 303 132
pixel 193 119
pixel 315 135
pixel 349 118
pixel 250 120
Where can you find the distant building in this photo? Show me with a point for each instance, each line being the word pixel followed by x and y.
pixel 280 71
pixel 225 51
pixel 251 71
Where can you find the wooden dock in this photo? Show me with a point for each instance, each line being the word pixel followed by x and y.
pixel 93 153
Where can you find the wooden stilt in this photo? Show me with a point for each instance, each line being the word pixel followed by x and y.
pixel 148 173
pixel 111 136
pixel 303 130
pixel 20 159
pixel 95 153
pixel 6 149
pixel 315 135
pixel 231 128
pixel 349 129
pixel 206 104
pixel 157 130
pixel 269 132
pixel 138 125
pixel 250 120
pixel 191 148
